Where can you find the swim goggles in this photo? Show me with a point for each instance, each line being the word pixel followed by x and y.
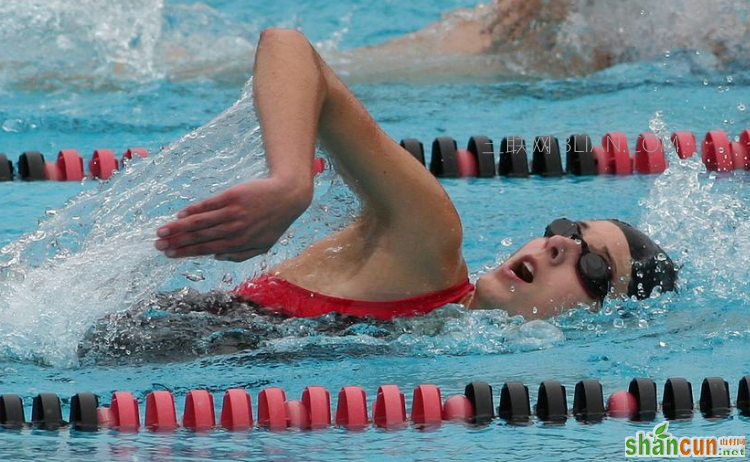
pixel 593 269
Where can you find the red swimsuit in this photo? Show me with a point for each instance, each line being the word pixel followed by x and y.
pixel 283 297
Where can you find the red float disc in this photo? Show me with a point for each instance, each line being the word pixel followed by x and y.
pixel 351 411
pixel 427 406
pixel 124 409
pixel 717 154
pixel 745 141
pixel 51 172
pixel 140 152
pixel 317 401
pixel 602 162
pixel 649 156
pixel 297 415
pixel 160 411
pixel 468 165
pixel 103 164
pixel 272 408
pixel 199 410
pixel 319 164
pixel 104 416
pixel 70 165
pixel 739 155
pixel 615 144
pixel 390 407
pixel 684 143
pixel 458 407
pixel 622 405
pixel 237 410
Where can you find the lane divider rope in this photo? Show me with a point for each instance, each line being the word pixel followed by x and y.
pixel 313 411
pixel 69 166
pixel 612 156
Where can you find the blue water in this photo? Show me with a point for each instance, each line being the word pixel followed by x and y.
pixel 95 256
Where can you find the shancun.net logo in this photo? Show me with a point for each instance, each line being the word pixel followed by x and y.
pixel 661 443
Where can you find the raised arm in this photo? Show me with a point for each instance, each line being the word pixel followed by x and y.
pixel 298 97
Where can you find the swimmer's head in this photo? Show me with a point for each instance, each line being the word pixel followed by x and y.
pixel 576 263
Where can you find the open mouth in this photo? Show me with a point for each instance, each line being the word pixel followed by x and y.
pixel 524 270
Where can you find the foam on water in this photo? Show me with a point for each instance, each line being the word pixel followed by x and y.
pixel 704 219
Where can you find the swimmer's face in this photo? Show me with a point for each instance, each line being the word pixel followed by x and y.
pixel 549 284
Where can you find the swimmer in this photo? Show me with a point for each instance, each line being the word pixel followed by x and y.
pixel 402 256
pixel 530 38
pixel 558 38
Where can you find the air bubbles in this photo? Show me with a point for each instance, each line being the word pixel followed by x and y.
pixel 642 323
pixel 741 107
pixel 535 310
pixel 507 242
pixel 14 126
pixel 618 323
pixel 195 276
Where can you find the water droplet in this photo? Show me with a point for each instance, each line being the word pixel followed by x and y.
pixel 741 107
pixel 512 288
pixel 730 79
pixel 705 82
pixel 642 323
pixel 661 257
pixel 507 242
pixel 195 277
pixel 535 310
pixel 662 344
pixel 618 323
pixel 13 125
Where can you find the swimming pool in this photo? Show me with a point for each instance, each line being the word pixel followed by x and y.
pixel 95 264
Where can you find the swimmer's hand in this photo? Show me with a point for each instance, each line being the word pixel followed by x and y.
pixel 237 224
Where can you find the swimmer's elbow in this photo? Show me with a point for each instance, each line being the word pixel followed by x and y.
pixel 277 34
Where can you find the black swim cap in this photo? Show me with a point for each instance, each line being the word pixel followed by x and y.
pixel 652 267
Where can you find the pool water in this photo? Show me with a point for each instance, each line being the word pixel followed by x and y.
pixel 75 253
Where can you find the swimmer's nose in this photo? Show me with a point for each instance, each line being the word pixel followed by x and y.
pixel 562 249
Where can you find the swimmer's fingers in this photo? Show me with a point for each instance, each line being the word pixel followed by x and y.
pixel 222 230
pixel 241 256
pixel 193 223
pixel 212 203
